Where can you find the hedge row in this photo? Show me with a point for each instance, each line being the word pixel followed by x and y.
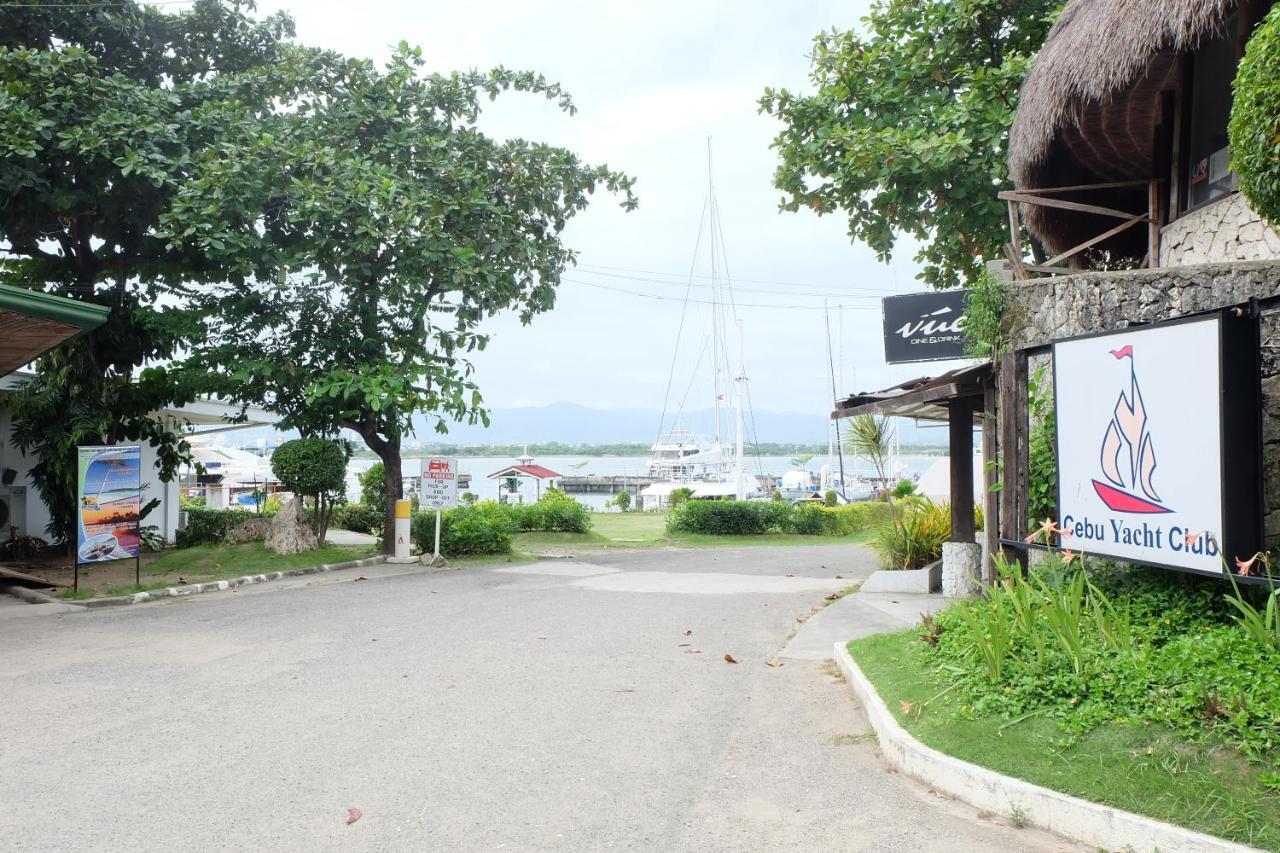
pixel 487 527
pixel 739 518
pixel 206 525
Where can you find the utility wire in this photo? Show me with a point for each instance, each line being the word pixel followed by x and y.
pixel 838 288
pixel 92 6
pixel 661 298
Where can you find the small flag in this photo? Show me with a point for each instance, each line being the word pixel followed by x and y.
pixel 1123 351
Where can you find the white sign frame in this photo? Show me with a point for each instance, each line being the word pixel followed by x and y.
pixel 1159 442
pixel 438 483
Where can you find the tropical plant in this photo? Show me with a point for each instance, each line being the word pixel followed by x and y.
pixel 904 489
pixel 622 500
pixel 830 498
pixel 313 468
pixel 1254 130
pixel 913 537
pixel 1042 449
pixel 376 227
pixel 104 110
pixel 150 538
pixel 986 324
pixel 906 132
pixel 373 488
pixel 870 437
pixel 680 496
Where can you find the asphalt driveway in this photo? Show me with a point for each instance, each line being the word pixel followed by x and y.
pixel 563 705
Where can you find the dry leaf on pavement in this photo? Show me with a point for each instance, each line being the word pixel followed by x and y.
pixel 773 662
pixel 729 659
pixel 353 815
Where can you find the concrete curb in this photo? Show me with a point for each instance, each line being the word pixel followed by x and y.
pixel 219 586
pixel 31 596
pixel 1090 823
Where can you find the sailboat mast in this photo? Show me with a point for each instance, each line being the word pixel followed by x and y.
pixel 716 342
pixel 740 472
pixel 835 401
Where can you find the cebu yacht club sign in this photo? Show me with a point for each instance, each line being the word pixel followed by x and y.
pixel 1159 442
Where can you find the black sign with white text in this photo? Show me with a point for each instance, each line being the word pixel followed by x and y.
pixel 924 326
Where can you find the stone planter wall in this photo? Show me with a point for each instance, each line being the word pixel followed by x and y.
pixel 1050 308
pixel 1225 231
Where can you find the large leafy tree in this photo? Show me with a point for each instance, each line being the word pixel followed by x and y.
pixel 906 129
pixel 378 227
pixel 104 108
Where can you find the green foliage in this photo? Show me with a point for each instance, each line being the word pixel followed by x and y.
pixel 315 468
pixel 1042 457
pixel 728 518
pixel 830 498
pixel 373 488
pixel 858 517
pixel 375 228
pixel 622 500
pixel 986 326
pixel 912 537
pixel 1255 119
pixel 870 437
pixel 553 512
pixel 904 489
pixel 103 110
pixel 205 525
pixel 358 517
pixel 1087 645
pixel 482 528
pixel 906 131
pixel 808 519
pixel 679 497
pixel 150 539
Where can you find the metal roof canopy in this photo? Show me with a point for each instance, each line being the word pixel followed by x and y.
pixel 32 323
pixel 926 398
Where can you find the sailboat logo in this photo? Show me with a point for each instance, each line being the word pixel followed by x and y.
pixel 1128 457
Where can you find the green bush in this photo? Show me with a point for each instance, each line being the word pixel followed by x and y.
pixel 554 512
pixel 729 518
pixel 912 537
pixel 904 489
pixel 830 498
pixel 373 487
pixel 681 496
pixel 1255 119
pixel 857 517
pixel 808 519
pixel 313 468
pixel 205 525
pixel 360 518
pixel 481 528
pixel 1087 645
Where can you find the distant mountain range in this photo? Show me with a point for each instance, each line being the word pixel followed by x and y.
pixel 570 423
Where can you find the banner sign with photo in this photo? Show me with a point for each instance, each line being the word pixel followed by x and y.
pixel 924 326
pixel 109 500
pixel 439 488
pixel 1159 444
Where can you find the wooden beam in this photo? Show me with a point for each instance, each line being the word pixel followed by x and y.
pixel 1016 263
pixel 1079 187
pixel 960 432
pixel 1027 198
pixel 1132 221
pixel 1012 404
pixel 1153 225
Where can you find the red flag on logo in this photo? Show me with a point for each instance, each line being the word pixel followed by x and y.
pixel 1123 351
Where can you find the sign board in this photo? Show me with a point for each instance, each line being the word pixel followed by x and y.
pixel 1159 443
pixel 439 483
pixel 924 326
pixel 108 501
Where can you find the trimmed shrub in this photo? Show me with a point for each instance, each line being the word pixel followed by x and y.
pixel 482 528
pixel 1255 120
pixel 554 512
pixel 808 519
pixel 373 487
pixel 857 517
pixel 830 498
pixel 360 518
pixel 727 518
pixel 314 468
pixel 206 525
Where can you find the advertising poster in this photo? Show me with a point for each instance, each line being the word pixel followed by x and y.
pixel 439 483
pixel 924 326
pixel 1140 437
pixel 109 497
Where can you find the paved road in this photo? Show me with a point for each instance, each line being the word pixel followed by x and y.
pixel 565 705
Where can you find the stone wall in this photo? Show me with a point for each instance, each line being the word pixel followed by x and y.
pixel 1225 231
pixel 1050 308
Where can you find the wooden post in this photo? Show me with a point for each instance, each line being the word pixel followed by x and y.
pixel 1153 224
pixel 960 428
pixel 1013 450
pixel 991 476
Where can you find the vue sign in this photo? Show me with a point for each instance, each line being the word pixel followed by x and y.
pixel 1158 443
pixel 924 326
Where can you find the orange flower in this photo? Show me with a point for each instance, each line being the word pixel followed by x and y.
pixel 906 706
pixel 1245 567
pixel 1190 538
pixel 1067 556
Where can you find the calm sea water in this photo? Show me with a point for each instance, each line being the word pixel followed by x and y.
pixel 481 467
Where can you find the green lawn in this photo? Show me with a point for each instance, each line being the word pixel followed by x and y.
pixel 1137 767
pixel 205 563
pixel 649 530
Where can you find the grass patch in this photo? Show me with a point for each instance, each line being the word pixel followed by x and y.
pixel 215 562
pixel 1136 766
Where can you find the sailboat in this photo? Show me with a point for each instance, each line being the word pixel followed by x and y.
pixel 679 457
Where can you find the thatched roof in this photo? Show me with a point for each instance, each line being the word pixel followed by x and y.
pixel 1090 105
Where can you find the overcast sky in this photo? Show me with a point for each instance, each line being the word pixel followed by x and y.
pixel 652 81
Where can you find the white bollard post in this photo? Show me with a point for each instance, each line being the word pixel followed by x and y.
pixel 402 534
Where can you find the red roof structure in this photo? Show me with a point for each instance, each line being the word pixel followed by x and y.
pixel 536 471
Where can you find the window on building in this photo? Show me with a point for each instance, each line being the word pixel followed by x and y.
pixel 1209 155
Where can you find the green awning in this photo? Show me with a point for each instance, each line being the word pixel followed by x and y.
pixel 32 323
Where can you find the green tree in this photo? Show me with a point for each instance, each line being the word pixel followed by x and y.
pixel 313 468
pixel 373 487
pixel 622 500
pixel 103 108
pixel 906 131
pixel 378 228
pixel 1255 120
pixel 871 438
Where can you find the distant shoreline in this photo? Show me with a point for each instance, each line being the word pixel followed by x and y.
pixel 511 451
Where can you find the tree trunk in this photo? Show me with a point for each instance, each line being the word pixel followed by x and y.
pixel 389 453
